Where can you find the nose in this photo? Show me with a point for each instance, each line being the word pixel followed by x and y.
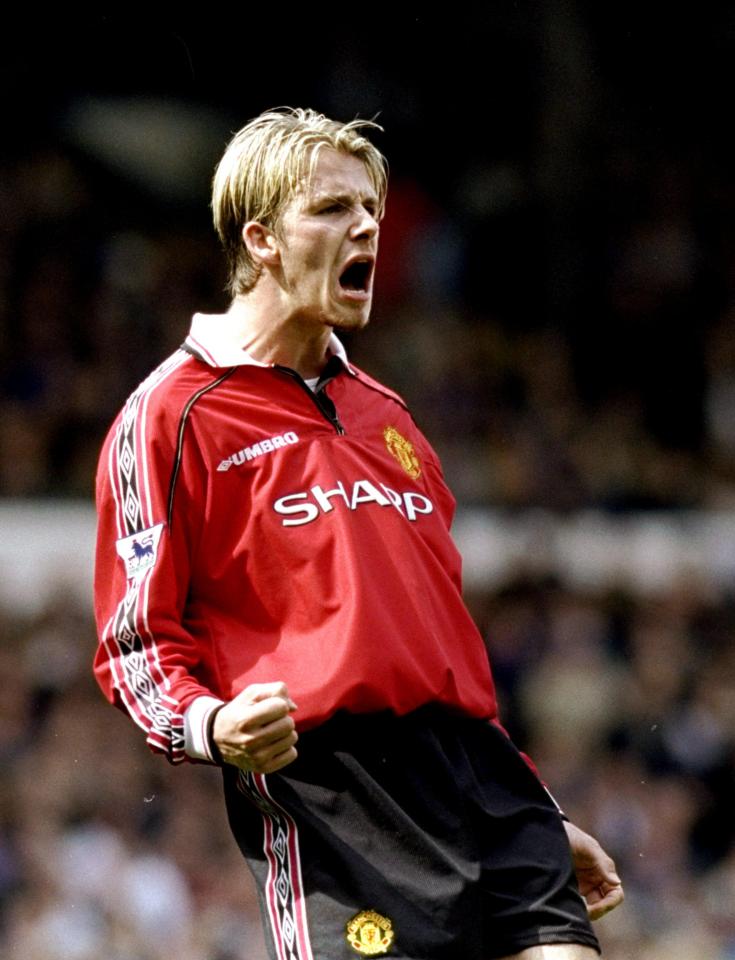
pixel 365 225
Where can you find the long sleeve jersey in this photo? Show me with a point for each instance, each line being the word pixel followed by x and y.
pixel 252 529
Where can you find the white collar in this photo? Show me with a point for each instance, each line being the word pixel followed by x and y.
pixel 212 339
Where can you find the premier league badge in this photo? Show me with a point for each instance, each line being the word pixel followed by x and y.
pixel 139 551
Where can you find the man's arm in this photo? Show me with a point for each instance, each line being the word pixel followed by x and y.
pixel 147 663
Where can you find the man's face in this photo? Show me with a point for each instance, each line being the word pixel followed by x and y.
pixel 328 239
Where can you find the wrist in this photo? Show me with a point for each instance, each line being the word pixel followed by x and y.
pixel 212 745
pixel 197 724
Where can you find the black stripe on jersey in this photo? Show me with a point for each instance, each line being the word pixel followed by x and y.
pixel 127 468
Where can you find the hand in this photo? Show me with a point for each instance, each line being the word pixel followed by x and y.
pixel 598 882
pixel 255 730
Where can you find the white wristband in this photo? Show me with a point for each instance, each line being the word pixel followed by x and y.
pixel 196 719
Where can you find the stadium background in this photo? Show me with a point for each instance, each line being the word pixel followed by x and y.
pixel 555 300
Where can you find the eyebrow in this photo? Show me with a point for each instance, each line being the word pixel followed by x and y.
pixel 346 199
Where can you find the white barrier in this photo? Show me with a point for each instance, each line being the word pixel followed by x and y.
pixel 47 546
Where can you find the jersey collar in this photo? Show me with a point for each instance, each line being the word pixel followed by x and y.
pixel 212 340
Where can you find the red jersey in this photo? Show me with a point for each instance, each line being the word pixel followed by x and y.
pixel 253 530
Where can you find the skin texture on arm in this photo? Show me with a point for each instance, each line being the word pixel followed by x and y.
pixel 255 730
pixel 598 880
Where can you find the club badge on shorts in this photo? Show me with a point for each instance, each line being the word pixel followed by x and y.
pixel 403 451
pixel 370 934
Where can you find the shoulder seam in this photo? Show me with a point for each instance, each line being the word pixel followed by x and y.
pixel 180 437
pixel 368 381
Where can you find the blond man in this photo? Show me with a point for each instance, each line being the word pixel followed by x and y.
pixel 275 567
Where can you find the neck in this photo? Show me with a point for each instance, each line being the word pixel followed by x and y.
pixel 282 339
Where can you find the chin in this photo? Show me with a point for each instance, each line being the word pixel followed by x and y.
pixel 350 321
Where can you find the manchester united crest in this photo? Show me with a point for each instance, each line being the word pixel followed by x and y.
pixel 403 451
pixel 370 934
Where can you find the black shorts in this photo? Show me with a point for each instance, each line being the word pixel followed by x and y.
pixel 424 837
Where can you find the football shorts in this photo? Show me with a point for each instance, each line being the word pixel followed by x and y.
pixel 424 837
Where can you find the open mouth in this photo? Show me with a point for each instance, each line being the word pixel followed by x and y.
pixel 356 276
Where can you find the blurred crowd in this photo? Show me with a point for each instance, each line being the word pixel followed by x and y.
pixel 105 851
pixel 624 401
pixel 626 704
pixel 560 321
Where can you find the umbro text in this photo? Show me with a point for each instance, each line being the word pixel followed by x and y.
pixel 267 445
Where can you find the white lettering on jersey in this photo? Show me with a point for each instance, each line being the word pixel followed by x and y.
pixel 267 445
pixel 395 498
pixel 305 506
pixel 285 507
pixel 416 503
pixel 365 492
pixel 324 497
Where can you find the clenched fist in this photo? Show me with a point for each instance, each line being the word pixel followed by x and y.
pixel 255 731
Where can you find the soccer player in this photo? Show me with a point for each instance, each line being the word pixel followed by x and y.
pixel 275 566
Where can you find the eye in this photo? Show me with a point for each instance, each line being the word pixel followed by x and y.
pixel 331 208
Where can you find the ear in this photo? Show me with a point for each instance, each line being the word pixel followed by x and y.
pixel 261 243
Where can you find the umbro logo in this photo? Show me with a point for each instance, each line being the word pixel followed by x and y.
pixel 267 445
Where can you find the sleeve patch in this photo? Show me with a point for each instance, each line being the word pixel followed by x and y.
pixel 139 551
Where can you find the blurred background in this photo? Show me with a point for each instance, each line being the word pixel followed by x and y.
pixel 555 300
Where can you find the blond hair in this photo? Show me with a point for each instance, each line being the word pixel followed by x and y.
pixel 266 163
